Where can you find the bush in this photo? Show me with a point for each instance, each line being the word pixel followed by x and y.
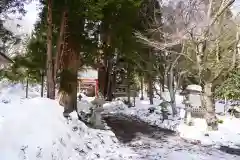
pixel 220 121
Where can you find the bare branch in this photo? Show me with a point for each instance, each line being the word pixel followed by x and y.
pixel 166 47
pixel 221 11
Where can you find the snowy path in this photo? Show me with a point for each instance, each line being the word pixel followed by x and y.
pixel 152 143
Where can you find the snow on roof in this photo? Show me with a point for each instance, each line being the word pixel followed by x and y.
pixel 88 73
pixel 194 87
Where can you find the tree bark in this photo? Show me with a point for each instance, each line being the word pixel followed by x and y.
pixel 68 82
pixel 172 91
pixel 27 87
pixel 128 85
pixel 101 79
pixel 42 83
pixel 60 43
pixel 141 81
pixel 50 78
pixel 163 82
pixel 150 81
pixel 69 64
pixel 109 81
pixel 209 105
pixel 114 81
pixel 106 74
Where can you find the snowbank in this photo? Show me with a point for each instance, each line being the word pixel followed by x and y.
pixel 228 133
pixel 10 92
pixel 36 129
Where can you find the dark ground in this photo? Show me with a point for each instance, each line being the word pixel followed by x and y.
pixel 128 128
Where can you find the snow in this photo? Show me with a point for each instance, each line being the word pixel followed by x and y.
pixel 16 91
pixel 194 87
pixel 35 128
pixel 88 73
pixel 175 149
pixel 141 112
pixel 227 135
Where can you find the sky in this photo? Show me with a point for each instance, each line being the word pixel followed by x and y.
pixel 27 21
pixel 32 14
pixel 236 6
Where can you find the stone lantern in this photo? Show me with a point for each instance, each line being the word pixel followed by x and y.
pixel 97 109
pixel 192 101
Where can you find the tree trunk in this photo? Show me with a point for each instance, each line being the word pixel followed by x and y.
pixel 163 83
pixel 141 81
pixel 128 85
pixel 209 105
pixel 50 78
pixel 106 76
pixel 60 43
pixel 68 83
pixel 27 88
pixel 109 81
pixel 172 92
pixel 114 82
pixel 150 90
pixel 42 83
pixel 101 79
pixel 164 74
pixel 150 81
pixel 69 64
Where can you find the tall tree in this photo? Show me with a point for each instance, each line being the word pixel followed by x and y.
pixel 50 74
pixel 150 20
pixel 95 34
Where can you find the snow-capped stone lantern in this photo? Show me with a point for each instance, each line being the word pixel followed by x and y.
pixel 192 101
pixel 90 112
pixel 97 109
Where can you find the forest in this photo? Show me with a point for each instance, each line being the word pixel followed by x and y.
pixel 146 43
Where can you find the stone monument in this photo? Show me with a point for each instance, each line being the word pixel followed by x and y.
pixel 192 101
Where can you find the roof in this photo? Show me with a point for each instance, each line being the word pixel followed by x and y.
pixel 4 59
pixel 194 87
pixel 88 73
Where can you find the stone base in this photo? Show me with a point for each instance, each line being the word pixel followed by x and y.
pixel 237 114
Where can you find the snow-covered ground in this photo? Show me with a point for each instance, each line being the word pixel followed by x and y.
pixel 34 128
pixel 141 112
pixel 16 91
pixel 227 135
